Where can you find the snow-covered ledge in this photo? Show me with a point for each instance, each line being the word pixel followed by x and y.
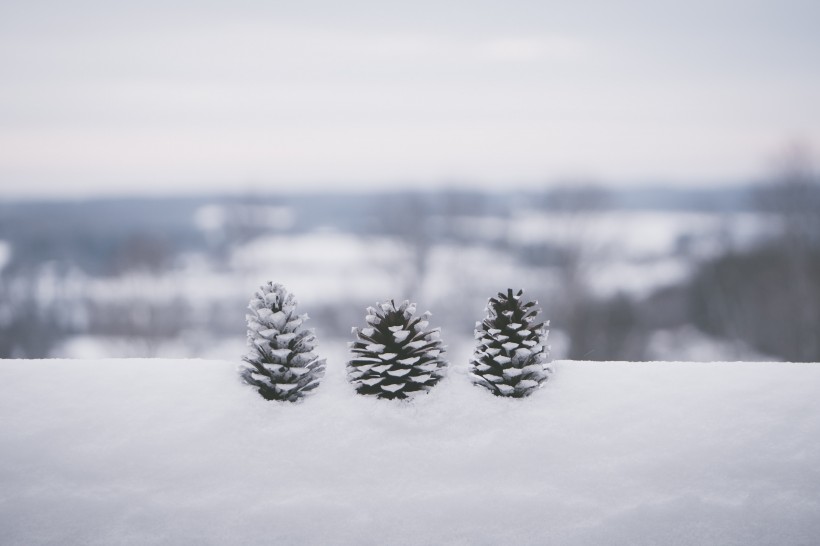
pixel 180 452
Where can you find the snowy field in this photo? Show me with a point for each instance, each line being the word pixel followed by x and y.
pixel 194 308
pixel 108 452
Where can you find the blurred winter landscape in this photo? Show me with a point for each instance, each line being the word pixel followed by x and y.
pixel 728 274
pixel 647 171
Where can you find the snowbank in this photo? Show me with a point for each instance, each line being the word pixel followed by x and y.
pixel 179 452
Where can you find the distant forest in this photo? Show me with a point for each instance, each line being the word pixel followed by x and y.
pixel 766 297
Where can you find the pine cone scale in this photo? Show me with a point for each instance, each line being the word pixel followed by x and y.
pixel 281 362
pixel 394 356
pixel 510 356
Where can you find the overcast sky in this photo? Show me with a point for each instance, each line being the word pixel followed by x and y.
pixel 160 97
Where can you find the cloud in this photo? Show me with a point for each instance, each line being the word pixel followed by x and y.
pixel 531 49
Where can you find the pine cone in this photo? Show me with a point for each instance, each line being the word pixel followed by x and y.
pixel 510 359
pixel 281 362
pixel 394 356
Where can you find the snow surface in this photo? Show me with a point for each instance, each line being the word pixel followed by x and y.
pixel 156 451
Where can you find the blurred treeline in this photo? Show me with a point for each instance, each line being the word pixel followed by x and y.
pixel 761 298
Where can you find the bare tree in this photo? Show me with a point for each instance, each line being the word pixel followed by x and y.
pixel 793 197
pixel 769 297
pixel 407 217
pixel 598 328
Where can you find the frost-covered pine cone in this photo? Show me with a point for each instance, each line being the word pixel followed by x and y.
pixel 394 356
pixel 281 362
pixel 511 356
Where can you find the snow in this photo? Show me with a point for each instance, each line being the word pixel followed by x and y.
pixel 623 251
pixel 323 266
pixel 318 267
pixel 181 452
pixel 401 335
pixel 638 234
pixel 5 254
pixel 692 344
pixel 639 278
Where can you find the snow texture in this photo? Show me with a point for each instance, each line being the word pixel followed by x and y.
pixel 410 357
pixel 280 362
pixel 148 452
